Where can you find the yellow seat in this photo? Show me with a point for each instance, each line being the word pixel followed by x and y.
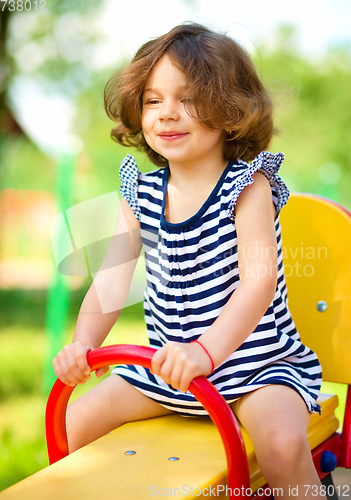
pixel 317 240
pixel 103 467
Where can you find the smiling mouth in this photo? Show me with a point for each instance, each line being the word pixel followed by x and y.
pixel 172 136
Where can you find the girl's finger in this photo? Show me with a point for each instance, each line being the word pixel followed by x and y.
pixel 166 370
pixel 73 370
pixel 80 358
pixel 66 369
pixel 158 359
pixel 185 380
pixel 62 372
pixel 173 365
pixel 101 371
pixel 176 375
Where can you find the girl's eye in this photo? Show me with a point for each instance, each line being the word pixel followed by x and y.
pixel 152 101
pixel 186 100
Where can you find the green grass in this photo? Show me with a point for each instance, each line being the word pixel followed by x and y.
pixel 23 450
pixel 22 403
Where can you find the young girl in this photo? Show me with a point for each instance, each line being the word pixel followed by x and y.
pixel 216 298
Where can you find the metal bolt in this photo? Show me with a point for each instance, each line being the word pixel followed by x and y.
pixel 130 452
pixel 173 459
pixel 322 306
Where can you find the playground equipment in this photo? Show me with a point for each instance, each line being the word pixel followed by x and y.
pixel 183 457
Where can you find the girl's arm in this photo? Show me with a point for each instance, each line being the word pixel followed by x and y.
pixel 104 300
pixel 178 364
pixel 257 260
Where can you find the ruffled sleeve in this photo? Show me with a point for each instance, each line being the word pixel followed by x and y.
pixel 268 164
pixel 129 175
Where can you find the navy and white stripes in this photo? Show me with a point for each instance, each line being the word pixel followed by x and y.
pixel 192 271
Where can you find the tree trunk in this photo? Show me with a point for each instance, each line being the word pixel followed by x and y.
pixel 8 123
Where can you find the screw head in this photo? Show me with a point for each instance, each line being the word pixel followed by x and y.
pixel 322 306
pixel 130 452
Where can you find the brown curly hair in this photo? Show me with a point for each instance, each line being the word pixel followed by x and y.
pixel 222 82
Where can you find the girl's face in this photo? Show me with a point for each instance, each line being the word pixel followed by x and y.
pixel 167 126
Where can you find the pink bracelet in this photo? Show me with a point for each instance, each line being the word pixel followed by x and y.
pixel 206 351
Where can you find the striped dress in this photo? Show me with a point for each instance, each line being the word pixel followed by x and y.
pixel 192 271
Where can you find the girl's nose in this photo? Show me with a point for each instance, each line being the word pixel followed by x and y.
pixel 169 110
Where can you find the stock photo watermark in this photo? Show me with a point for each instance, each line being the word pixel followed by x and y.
pixel 303 258
pixel 23 5
pixel 219 490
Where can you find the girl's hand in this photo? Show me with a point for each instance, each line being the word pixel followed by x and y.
pixel 178 364
pixel 71 365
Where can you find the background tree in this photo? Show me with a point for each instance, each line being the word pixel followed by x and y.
pixel 50 46
pixel 8 122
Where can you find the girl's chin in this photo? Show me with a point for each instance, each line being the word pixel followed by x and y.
pixel 172 158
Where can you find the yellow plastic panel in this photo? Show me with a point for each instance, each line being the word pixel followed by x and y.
pixel 317 257
pixel 102 470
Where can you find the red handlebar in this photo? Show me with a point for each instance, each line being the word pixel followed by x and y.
pixel 203 390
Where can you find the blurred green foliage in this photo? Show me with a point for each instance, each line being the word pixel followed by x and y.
pixel 313 114
pixel 24 166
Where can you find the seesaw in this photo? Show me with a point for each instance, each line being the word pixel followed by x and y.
pixel 173 456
